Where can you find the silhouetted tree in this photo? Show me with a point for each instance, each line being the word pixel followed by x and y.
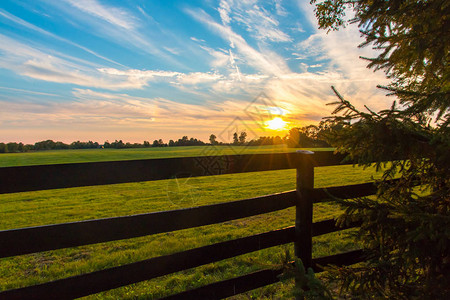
pixel 212 139
pixel 3 148
pixel 235 138
pixel 242 137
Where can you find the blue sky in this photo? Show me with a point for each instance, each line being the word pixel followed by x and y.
pixel 143 70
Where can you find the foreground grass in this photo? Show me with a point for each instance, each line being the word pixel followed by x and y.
pixel 64 205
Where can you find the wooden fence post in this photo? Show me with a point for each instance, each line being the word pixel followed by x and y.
pixel 304 208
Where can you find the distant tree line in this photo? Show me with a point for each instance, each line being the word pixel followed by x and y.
pixel 14 147
pixel 298 137
pixel 312 136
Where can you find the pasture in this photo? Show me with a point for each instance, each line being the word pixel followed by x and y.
pixel 91 155
pixel 64 205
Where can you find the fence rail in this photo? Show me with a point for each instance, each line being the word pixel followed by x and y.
pixel 241 284
pixel 44 177
pixel 50 237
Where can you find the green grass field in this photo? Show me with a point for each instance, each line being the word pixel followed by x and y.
pixel 91 155
pixel 63 205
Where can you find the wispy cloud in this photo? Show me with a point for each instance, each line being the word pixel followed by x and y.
pixel 51 70
pixel 103 112
pixel 256 19
pixel 281 11
pixel 233 63
pixel 39 64
pixel 197 40
pixel 113 15
pixel 220 57
pixel 32 27
pixel 224 10
pixel 28 91
pixel 138 74
pixel 119 25
pixel 60 68
pixel 198 78
pixel 269 64
pixel 144 13
pixel 341 49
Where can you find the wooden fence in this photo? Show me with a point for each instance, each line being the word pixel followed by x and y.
pixel 50 237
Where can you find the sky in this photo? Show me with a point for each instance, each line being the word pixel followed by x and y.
pixel 142 70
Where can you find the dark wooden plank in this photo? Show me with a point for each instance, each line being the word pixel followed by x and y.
pixel 304 209
pixel 230 287
pixel 32 178
pixel 343 192
pixel 328 158
pixel 95 282
pixel 341 259
pixel 50 237
pixel 346 191
pixel 327 226
pixel 242 284
pixel 42 177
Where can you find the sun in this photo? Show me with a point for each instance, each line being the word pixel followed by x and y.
pixel 276 124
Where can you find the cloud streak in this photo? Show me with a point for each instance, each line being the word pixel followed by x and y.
pixel 28 91
pixel 117 24
pixel 258 21
pixel 32 27
pixel 272 64
pixel 113 15
pixel 60 68
pixel 114 111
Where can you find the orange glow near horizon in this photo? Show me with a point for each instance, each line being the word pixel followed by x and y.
pixel 277 123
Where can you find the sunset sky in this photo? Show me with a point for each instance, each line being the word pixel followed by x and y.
pixel 143 70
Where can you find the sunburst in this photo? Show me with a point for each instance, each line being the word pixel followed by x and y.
pixel 276 123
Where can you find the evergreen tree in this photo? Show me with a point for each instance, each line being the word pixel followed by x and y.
pixel 406 229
